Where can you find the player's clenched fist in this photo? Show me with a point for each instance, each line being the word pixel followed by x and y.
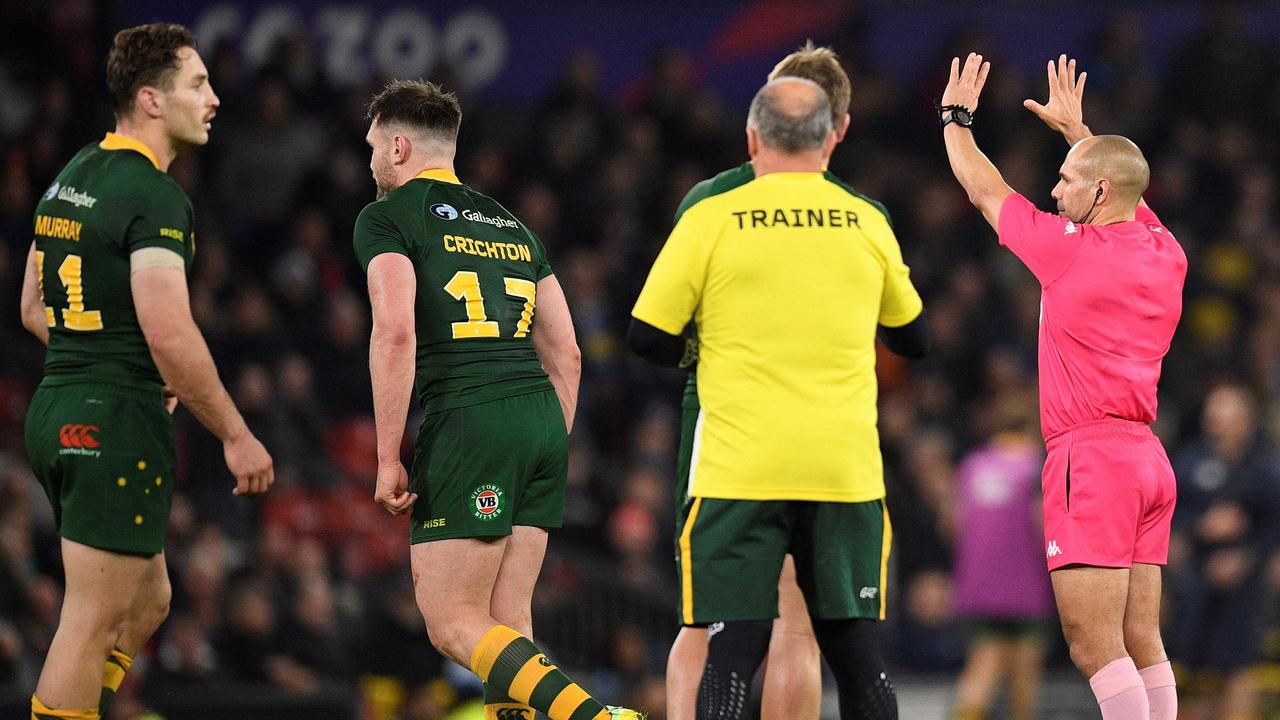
pixel 392 492
pixel 250 463
pixel 964 86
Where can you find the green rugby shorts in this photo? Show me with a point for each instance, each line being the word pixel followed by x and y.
pixel 729 554
pixel 105 457
pixel 479 470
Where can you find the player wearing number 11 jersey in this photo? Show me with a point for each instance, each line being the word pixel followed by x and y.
pixel 467 313
pixel 106 289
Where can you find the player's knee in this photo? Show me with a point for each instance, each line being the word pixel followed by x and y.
pixel 156 610
pixel 440 638
pixel 448 637
pixel 93 617
pixel 1090 651
pixel 794 655
pixel 1144 645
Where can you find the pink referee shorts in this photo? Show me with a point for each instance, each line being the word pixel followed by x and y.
pixel 1109 493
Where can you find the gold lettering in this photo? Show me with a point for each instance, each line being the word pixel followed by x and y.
pixel 75 230
pixel 486 249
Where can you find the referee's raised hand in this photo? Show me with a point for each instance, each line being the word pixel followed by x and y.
pixel 1064 111
pixel 965 84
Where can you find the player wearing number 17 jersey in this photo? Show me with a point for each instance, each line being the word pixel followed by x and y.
pixel 106 289
pixel 454 281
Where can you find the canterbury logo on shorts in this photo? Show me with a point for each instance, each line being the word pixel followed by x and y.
pixel 513 714
pixel 79 436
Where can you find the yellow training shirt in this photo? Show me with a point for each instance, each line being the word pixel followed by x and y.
pixel 786 278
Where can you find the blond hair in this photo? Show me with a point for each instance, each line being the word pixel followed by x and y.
pixel 822 66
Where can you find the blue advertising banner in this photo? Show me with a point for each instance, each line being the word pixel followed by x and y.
pixel 508 51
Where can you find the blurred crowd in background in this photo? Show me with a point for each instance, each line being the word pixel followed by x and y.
pixel 308 591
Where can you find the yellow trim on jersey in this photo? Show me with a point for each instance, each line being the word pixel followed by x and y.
pixel 886 542
pixel 119 142
pixel 786 278
pixel 686 562
pixel 441 174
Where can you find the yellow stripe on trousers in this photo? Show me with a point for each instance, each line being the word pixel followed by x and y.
pixel 686 562
pixel 885 543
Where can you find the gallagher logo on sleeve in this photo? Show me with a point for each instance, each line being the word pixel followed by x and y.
pixel 444 211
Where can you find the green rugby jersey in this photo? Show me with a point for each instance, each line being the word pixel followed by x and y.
pixel 477 269
pixel 109 201
pixel 723 183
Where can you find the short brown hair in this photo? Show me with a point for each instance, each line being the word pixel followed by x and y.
pixel 822 66
pixel 144 55
pixel 419 104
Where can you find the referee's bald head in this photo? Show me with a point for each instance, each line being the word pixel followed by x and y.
pixel 791 114
pixel 1116 159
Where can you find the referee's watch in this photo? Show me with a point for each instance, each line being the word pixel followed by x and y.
pixel 957 114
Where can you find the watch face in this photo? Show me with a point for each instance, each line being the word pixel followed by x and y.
pixel 963 117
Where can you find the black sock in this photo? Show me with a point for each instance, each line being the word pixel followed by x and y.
pixel 852 651
pixel 734 652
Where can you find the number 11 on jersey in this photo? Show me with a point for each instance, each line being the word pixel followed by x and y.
pixel 465 286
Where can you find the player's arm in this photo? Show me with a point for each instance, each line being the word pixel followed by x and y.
pixel 660 347
pixel 159 284
pixel 557 345
pixel 393 287
pixel 34 318
pixel 984 184
pixel 670 295
pixel 912 340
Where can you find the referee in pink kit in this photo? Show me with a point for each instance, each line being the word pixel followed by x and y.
pixel 1111 280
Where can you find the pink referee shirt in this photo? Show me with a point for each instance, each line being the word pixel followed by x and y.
pixel 1111 296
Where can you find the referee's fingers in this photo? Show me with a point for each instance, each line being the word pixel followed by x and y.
pixel 983 71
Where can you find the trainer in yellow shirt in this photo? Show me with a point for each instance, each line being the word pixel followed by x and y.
pixel 786 274
pixel 786 279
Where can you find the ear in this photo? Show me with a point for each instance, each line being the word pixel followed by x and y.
pixel 401 149
pixel 1103 193
pixel 844 128
pixel 150 101
pixel 753 142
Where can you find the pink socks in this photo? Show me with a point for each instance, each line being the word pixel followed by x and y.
pixel 1162 696
pixel 1120 691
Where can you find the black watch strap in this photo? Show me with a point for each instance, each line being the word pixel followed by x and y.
pixel 958 114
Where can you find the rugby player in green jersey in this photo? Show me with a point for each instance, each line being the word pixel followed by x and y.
pixel 454 280
pixel 106 290
pixel 793 674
